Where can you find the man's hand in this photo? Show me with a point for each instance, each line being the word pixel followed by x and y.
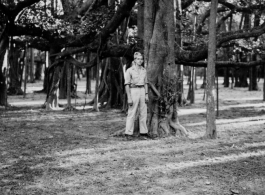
pixel 146 98
pixel 130 103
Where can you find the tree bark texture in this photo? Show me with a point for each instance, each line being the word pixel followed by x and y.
pixel 210 102
pixel 111 88
pixel 31 66
pixel 161 69
pixel 3 47
pixel 53 92
pixel 263 83
pixel 15 72
pixel 63 83
pixel 253 76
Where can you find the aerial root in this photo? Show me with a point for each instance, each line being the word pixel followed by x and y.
pixel 178 127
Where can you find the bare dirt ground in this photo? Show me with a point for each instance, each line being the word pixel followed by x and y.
pixel 71 153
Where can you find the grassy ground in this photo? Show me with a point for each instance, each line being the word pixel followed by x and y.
pixel 71 153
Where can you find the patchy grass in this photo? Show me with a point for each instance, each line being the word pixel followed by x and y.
pixel 71 153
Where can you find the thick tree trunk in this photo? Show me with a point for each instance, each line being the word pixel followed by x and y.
pixel 15 72
pixel 140 21
pixel 3 86
pixel 38 70
pixel 3 93
pixel 161 68
pixel 111 88
pixel 210 103
pixel 69 81
pixel 52 97
pixel 63 86
pixel 63 83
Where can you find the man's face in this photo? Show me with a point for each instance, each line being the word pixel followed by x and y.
pixel 139 60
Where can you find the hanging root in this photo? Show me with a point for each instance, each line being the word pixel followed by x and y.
pixel 178 127
pixel 164 127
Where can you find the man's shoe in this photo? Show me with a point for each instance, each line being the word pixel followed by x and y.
pixel 129 137
pixel 145 136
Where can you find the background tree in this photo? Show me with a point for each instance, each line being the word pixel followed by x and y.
pixel 210 81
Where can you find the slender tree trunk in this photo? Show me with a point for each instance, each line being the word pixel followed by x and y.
pixel 226 77
pixel 46 75
pixel 95 106
pixel 228 50
pixel 31 66
pixel 88 81
pixel 177 16
pixel 203 86
pixel 263 83
pixel 25 70
pixel 88 76
pixel 253 74
pixel 191 91
pixel 210 103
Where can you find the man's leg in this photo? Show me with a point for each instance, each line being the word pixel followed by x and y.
pixel 143 113
pixel 135 93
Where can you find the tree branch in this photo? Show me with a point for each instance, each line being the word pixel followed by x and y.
pixel 13 10
pixel 201 52
pixel 222 64
pixel 122 12
pixel 21 5
pixel 249 9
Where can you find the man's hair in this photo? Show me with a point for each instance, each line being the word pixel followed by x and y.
pixel 137 54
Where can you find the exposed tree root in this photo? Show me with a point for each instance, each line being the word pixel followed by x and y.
pixel 163 128
pixel 177 127
pixel 7 106
pixel 52 103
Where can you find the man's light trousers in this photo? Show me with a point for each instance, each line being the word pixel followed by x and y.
pixel 138 99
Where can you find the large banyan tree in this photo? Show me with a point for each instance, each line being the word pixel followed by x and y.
pixel 167 35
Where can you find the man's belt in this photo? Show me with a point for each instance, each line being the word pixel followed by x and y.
pixel 136 86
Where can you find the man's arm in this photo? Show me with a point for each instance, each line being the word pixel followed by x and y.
pixel 129 97
pixel 146 90
pixel 127 87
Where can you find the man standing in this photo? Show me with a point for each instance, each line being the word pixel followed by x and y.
pixel 137 92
